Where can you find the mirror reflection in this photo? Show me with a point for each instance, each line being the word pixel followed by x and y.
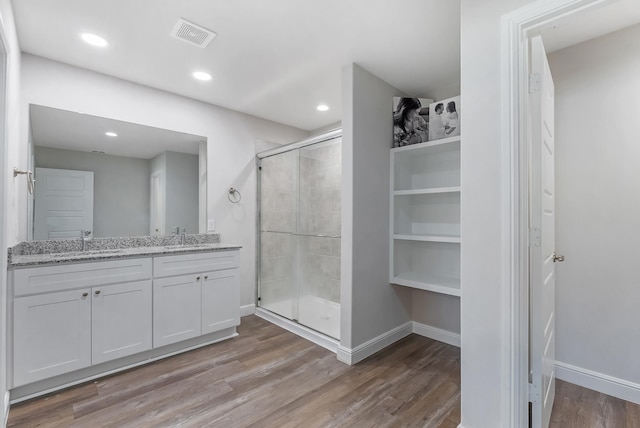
pixel 112 178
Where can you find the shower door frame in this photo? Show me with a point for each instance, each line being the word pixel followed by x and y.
pixel 336 133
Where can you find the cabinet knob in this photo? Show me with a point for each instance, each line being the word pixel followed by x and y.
pixel 85 294
pixel 197 278
pixel 97 292
pixel 206 277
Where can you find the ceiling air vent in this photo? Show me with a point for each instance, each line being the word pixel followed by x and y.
pixel 192 33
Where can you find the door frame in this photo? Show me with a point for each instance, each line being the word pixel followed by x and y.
pixel 5 65
pixel 516 29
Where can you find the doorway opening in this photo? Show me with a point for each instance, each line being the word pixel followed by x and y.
pixel 518 28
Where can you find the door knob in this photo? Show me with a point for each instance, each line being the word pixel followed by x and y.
pixel 97 292
pixel 557 257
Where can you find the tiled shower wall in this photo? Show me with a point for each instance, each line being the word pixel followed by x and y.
pixel 320 210
pixel 278 218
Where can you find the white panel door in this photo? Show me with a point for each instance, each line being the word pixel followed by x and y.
pixel 51 334
pixel 176 309
pixel 220 300
pixel 63 203
pixel 122 317
pixel 542 250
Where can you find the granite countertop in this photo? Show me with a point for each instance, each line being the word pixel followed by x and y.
pixel 52 252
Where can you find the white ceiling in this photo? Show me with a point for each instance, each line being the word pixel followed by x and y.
pixel 276 59
pixel 69 130
pixel 591 23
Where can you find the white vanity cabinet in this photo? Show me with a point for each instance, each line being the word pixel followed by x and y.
pixel 70 317
pixel 75 321
pixel 194 294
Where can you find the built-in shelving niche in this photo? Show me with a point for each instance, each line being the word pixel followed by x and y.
pixel 425 216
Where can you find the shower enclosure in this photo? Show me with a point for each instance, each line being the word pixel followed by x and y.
pixel 299 232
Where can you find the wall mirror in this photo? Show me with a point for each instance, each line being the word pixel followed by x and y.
pixel 112 178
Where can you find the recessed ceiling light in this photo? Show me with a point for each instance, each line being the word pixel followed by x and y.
pixel 322 107
pixel 201 75
pixel 94 40
pixel 110 134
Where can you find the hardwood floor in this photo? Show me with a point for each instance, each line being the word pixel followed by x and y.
pixel 268 377
pixel 577 407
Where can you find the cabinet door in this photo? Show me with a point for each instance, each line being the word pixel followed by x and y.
pixel 176 309
pixel 52 335
pixel 121 320
pixel 220 301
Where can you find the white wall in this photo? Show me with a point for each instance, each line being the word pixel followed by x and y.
pixel 484 367
pixel 375 306
pixel 436 310
pixel 230 139
pixel 598 205
pixel 120 188
pixel 10 186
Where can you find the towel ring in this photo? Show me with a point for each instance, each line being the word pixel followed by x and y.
pixel 234 195
pixel 30 180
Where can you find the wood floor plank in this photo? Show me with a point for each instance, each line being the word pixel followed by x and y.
pixel 56 408
pixel 577 407
pixel 270 378
pixel 148 400
pixel 633 415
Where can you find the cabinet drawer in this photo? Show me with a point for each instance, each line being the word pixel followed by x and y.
pixel 193 263
pixel 56 278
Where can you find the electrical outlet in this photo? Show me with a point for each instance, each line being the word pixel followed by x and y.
pixel 211 225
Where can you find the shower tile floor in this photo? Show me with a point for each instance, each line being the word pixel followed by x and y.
pixel 314 312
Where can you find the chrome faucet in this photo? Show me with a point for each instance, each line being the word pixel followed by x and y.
pixel 84 237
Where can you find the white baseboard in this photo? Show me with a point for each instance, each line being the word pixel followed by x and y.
pixel 302 331
pixel 360 352
pixel 7 403
pixel 603 383
pixel 436 334
pixel 247 310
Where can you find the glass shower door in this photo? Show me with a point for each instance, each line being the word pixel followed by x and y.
pixel 300 197
pixel 319 236
pixel 278 225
